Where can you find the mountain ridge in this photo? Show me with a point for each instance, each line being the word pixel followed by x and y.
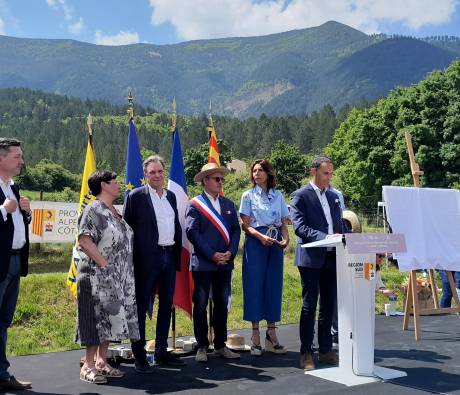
pixel 285 73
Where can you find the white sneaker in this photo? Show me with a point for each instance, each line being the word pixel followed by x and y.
pixel 226 353
pixel 201 355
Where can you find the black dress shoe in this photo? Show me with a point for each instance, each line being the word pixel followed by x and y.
pixel 168 360
pixel 143 367
pixel 13 384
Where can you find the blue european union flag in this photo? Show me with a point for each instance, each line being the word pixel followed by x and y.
pixel 134 168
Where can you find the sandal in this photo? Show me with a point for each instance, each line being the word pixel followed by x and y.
pixel 256 348
pixel 109 371
pixel 92 376
pixel 272 344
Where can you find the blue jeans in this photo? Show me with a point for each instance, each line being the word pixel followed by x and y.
pixel 317 283
pixel 162 275
pixel 221 286
pixel 446 298
pixel 9 291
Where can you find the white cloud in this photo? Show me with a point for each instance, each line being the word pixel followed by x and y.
pixel 122 38
pixel 66 8
pixel 76 27
pixel 195 19
pixel 2 27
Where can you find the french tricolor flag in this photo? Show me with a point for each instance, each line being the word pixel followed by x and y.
pixel 177 184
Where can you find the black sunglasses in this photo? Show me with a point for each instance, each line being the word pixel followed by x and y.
pixel 218 179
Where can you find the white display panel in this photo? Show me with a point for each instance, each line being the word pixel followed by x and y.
pixel 429 218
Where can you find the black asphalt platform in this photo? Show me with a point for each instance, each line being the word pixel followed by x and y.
pixel 432 365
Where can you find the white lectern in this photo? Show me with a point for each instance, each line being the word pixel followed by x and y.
pixel 355 256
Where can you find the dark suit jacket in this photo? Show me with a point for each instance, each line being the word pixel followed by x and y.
pixel 138 212
pixel 6 239
pixel 309 223
pixel 207 240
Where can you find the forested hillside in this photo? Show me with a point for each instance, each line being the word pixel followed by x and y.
pixel 369 148
pixel 294 73
pixel 54 127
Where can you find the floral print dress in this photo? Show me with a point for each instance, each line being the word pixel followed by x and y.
pixel 107 308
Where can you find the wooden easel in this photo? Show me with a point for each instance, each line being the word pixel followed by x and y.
pixel 412 305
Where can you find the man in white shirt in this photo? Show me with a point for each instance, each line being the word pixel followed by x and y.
pixel 316 215
pixel 151 211
pixel 15 217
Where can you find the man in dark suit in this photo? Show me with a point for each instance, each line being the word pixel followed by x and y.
pixel 213 229
pixel 316 215
pixel 15 217
pixel 151 211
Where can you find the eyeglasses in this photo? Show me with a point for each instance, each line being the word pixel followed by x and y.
pixel 218 179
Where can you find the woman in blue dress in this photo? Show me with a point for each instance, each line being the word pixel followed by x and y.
pixel 264 217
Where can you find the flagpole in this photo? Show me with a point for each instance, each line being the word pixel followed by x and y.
pixel 210 303
pixel 173 308
pixel 89 168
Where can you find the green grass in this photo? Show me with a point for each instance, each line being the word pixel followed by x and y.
pixel 45 316
pixel 32 195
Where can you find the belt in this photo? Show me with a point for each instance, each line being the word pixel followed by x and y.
pixel 16 251
pixel 268 226
pixel 166 248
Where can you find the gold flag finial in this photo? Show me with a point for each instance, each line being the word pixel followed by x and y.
pixel 130 110
pixel 210 115
pixel 89 122
pixel 174 115
pixel 210 122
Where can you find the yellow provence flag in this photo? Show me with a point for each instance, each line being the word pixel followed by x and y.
pixel 85 198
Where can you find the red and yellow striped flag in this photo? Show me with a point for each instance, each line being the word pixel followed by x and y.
pixel 37 222
pixel 213 156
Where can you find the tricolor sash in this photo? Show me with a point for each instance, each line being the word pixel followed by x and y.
pixel 205 208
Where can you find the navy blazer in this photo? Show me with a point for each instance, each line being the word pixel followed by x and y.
pixel 310 224
pixel 138 212
pixel 6 238
pixel 207 240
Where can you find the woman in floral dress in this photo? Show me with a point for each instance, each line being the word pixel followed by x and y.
pixel 105 282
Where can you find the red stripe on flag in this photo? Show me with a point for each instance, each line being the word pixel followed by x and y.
pixel 184 282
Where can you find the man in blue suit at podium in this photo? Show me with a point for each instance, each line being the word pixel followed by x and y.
pixel 316 215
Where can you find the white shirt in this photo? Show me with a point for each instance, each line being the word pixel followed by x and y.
pixel 325 205
pixel 165 217
pixel 19 236
pixel 214 201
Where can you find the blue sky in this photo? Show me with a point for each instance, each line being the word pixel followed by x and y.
pixel 118 22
